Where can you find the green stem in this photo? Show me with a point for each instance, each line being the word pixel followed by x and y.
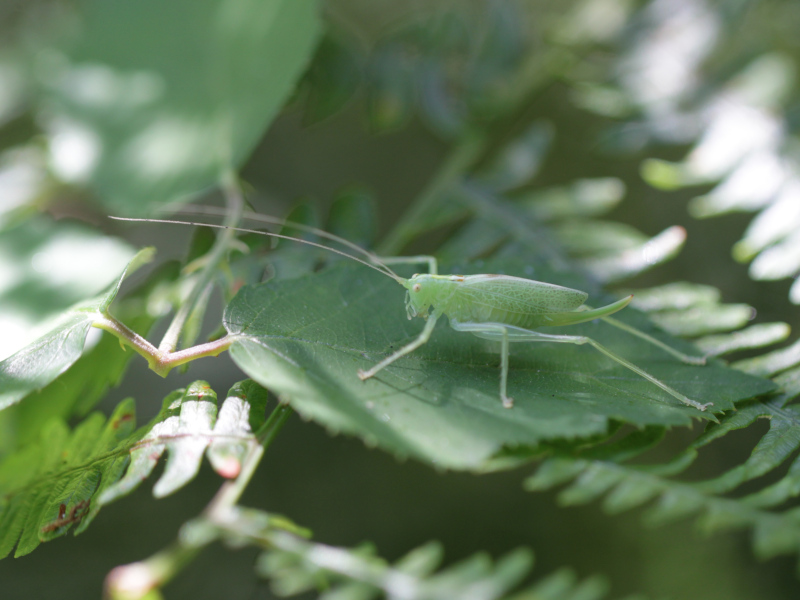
pixel 533 73
pixel 135 580
pixel 461 160
pixel 233 196
pixel 160 361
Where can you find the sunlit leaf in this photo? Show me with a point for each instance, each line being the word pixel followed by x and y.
pixel 583 198
pixel 41 361
pixel 636 259
pixel 755 336
pixel 102 365
pixel 129 117
pixel 771 362
pixel 45 267
pixel 702 320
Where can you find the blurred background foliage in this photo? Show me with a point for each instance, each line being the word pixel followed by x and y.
pixel 649 113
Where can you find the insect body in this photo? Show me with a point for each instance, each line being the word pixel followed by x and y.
pixel 494 307
pixel 508 309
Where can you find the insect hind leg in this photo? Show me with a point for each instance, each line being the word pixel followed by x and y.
pixel 638 370
pixel 687 358
pixel 517 334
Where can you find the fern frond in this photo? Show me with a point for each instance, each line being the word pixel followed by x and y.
pixel 63 479
pixel 756 172
pixel 599 471
pixel 188 426
pixel 52 484
pixel 295 565
pixel 626 486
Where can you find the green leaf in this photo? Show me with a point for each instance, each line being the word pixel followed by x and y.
pixel 129 117
pixel 772 362
pixel 40 362
pixel 77 391
pixel 333 77
pixel 188 426
pixel 46 268
pixel 703 320
pixel 755 336
pixel 597 238
pixel 304 339
pixel 583 198
pixel 635 259
pixel 519 161
pixel 50 486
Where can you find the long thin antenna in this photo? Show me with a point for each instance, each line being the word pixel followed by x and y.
pixel 200 209
pixel 388 272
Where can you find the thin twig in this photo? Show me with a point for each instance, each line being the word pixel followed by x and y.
pixel 235 202
pixel 135 580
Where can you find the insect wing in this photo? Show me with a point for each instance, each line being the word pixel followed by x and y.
pixel 519 295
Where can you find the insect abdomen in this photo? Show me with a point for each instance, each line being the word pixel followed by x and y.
pixel 509 300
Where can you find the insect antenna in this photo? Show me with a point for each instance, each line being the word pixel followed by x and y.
pixel 254 216
pixel 381 269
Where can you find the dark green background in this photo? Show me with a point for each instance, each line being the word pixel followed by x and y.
pixel 347 493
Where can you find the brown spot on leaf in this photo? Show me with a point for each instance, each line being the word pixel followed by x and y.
pixel 76 513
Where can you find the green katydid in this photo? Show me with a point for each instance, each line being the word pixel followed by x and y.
pixel 499 308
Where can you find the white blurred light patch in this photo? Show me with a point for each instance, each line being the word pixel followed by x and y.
pixel 11 273
pixel 76 262
pixel 596 20
pixel 71 264
pixel 16 327
pixel 74 150
pixel 661 65
pixel 97 86
pixel 93 338
pixel 21 180
pixel 174 145
pixel 751 186
pixel 735 131
pixel 773 224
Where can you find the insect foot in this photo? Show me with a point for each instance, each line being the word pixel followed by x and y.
pixel 363 375
pixel 508 402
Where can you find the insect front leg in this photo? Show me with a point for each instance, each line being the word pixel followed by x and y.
pixel 493 331
pixel 423 338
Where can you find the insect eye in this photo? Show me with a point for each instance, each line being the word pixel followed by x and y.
pixel 417 287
